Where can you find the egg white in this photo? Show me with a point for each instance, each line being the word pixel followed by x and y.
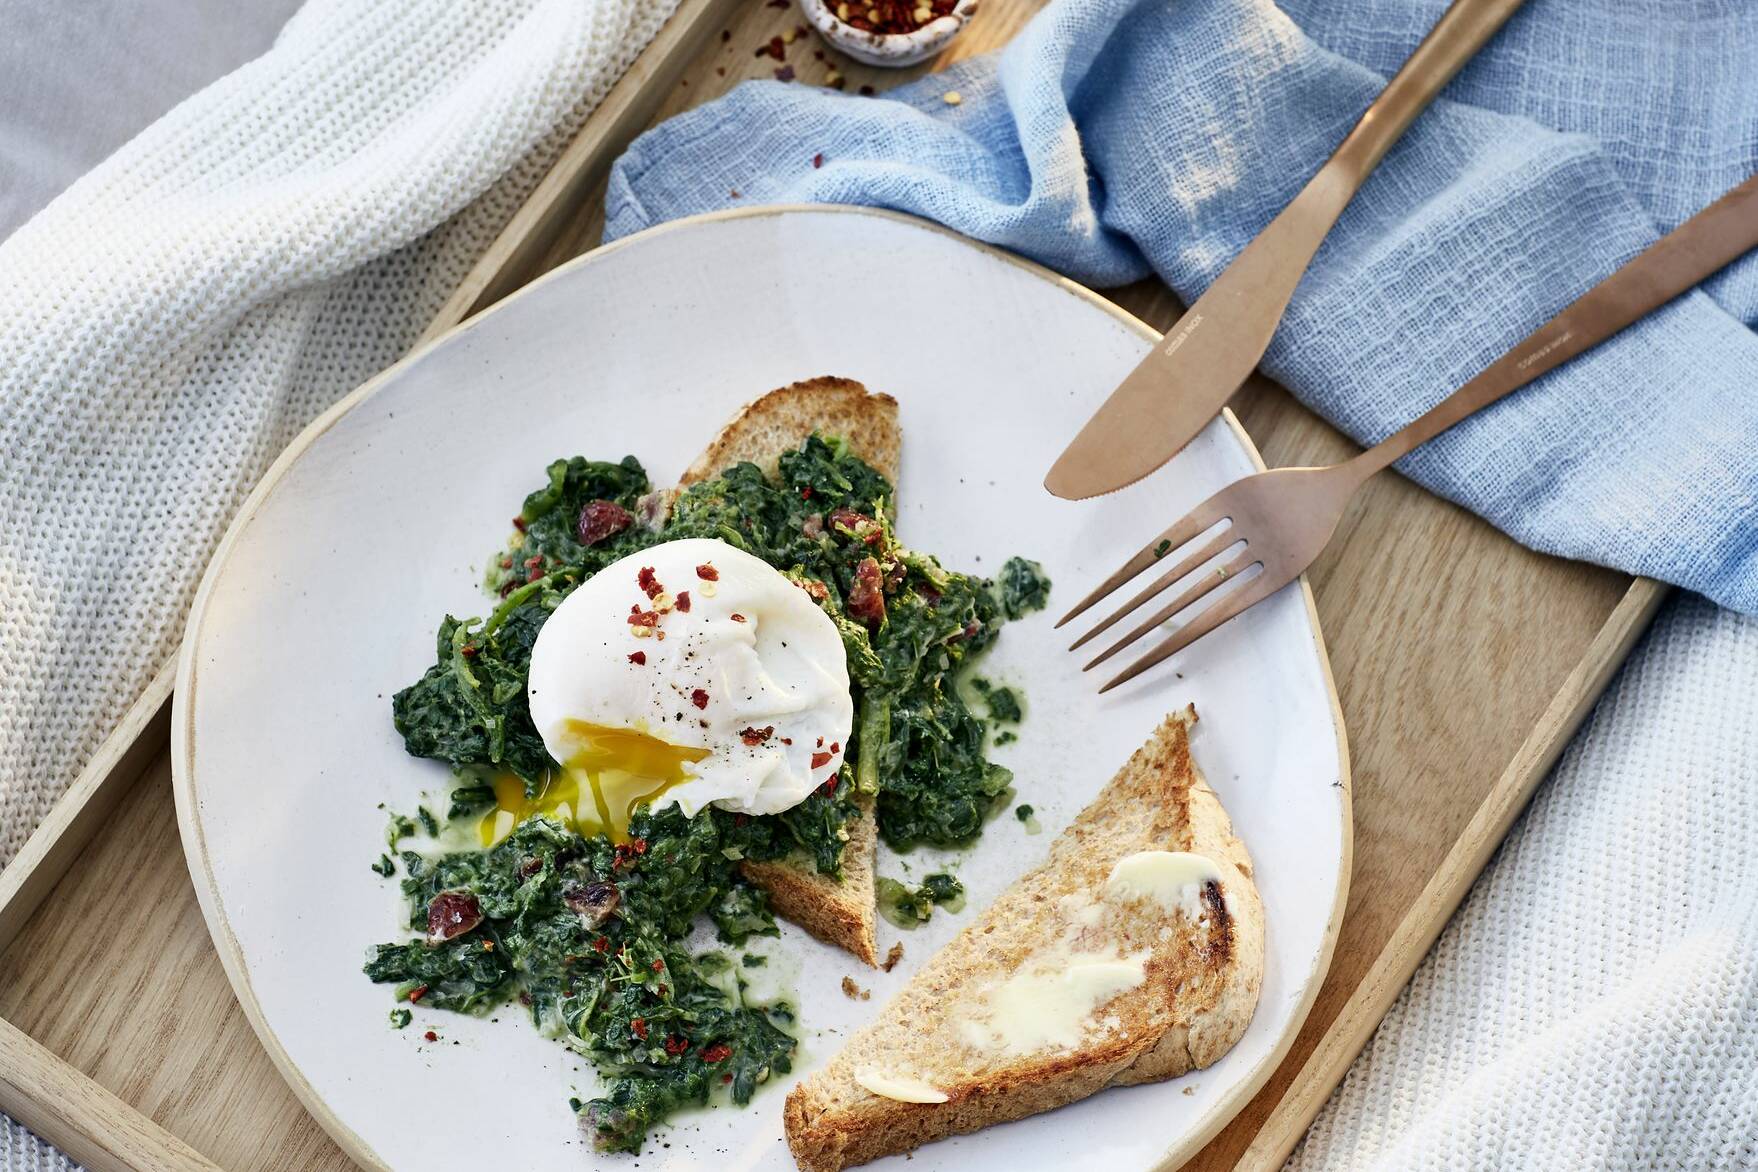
pixel 725 660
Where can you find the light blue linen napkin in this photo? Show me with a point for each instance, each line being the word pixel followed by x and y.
pixel 1112 138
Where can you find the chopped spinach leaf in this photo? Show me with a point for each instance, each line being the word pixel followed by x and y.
pixel 1024 587
pixel 399 829
pixel 385 866
pixel 907 908
pixel 1003 702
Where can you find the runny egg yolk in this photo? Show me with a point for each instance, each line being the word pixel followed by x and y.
pixel 610 772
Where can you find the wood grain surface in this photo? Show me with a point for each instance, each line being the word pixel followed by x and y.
pixel 1463 663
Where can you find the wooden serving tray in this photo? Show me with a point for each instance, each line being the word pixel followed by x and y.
pixel 1463 663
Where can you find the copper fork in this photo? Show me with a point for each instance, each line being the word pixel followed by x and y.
pixel 1261 533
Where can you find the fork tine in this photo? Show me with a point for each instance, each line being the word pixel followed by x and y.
pixel 1222 541
pixel 1192 526
pixel 1208 582
pixel 1224 609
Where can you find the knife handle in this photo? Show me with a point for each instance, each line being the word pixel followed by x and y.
pixel 1691 253
pixel 1455 38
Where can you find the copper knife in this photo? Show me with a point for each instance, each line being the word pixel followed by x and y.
pixel 1189 376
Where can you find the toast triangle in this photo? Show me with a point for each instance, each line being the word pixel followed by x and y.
pixel 839 913
pixel 1202 968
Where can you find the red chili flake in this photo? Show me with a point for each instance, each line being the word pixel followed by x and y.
pixel 649 582
pixel 820 743
pixel 659 964
pixel 469 650
pixel 639 846
pixel 531 563
pixel 506 563
pixel 756 736
pixel 600 520
pixel 524 997
pixel 507 588
pixel 734 193
pixel 520 523
pixel 719 1052
pixel 817 54
pixel 740 819
pixel 836 746
pixel 866 595
pixel 451 914
pixel 682 602
pixel 830 784
pixel 431 1036
pixel 643 618
pixel 817 161
pixel 638 657
pixel 784 73
pixel 638 1027
pixel 736 617
pixel 533 574
pixel 707 572
pixel 601 945
pixel 787 740
pixel 676 1045
pixel 699 698
pixel 417 993
pixel 725 1078
pixel 806 490
pixel 820 760
pixel 776 48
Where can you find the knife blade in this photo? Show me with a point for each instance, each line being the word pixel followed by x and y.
pixel 1188 377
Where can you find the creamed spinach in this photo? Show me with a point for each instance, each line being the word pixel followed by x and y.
pixel 592 935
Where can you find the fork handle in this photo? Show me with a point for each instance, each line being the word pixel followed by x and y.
pixel 1704 244
pixel 1457 35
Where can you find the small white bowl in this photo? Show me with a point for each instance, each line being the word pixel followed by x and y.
pixel 888 50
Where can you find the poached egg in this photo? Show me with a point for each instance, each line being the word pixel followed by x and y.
pixel 691 673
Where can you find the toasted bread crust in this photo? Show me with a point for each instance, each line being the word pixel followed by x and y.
pixel 782 419
pixel 838 912
pixel 1201 983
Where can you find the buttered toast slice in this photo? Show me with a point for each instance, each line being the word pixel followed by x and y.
pixel 839 913
pixel 1133 953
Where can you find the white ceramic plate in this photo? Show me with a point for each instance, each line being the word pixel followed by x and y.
pixel 325 594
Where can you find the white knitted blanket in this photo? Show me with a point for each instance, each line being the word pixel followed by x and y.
pixel 176 317
pixel 1595 1002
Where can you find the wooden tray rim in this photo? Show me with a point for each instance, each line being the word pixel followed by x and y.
pixel 182 734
